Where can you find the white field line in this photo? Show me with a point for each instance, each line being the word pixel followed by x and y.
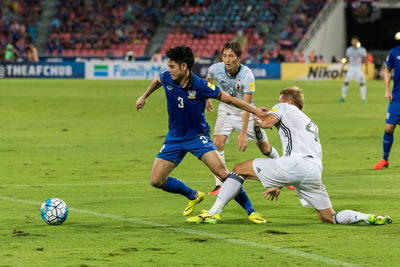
pixel 93 184
pixel 282 250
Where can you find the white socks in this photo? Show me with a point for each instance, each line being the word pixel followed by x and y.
pixel 218 181
pixel 344 90
pixel 363 91
pixel 228 191
pixel 350 217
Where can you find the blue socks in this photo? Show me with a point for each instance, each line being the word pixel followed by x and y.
pixel 244 201
pixel 176 186
pixel 387 145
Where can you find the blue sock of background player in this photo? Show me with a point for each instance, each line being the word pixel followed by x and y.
pixel 176 186
pixel 387 145
pixel 244 201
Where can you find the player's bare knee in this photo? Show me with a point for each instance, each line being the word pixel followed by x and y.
pixel 267 149
pixel 389 128
pixel 220 145
pixel 157 181
pixel 238 168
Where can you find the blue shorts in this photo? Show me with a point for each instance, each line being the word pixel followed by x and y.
pixel 175 151
pixel 393 113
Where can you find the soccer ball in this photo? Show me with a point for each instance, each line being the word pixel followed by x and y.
pixel 54 211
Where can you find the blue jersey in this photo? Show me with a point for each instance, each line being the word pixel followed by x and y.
pixel 186 106
pixel 393 62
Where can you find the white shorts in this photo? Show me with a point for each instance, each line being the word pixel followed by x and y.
pixel 355 73
pixel 301 171
pixel 226 124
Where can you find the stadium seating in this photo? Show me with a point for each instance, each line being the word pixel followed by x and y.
pixel 297 27
pixel 112 28
pixel 100 28
pixel 18 21
pixel 206 28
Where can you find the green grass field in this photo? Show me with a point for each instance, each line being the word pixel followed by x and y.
pixel 84 142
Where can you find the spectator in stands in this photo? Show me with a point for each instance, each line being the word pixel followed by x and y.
pixel 30 50
pixel 157 57
pixel 300 58
pixel 130 57
pixel 370 58
pixel 334 59
pixel 311 57
pixel 320 59
pixel 280 58
pixel 265 57
pixel 10 54
pixel 241 38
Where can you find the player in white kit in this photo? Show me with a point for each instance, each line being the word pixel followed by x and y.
pixel 300 166
pixel 355 56
pixel 236 80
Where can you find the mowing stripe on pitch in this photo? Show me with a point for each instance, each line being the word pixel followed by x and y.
pixel 89 184
pixel 200 233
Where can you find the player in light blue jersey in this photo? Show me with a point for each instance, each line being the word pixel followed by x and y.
pixel 236 80
pixel 393 111
pixel 355 56
pixel 187 95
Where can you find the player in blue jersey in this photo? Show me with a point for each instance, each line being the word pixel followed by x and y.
pixel 393 111
pixel 187 95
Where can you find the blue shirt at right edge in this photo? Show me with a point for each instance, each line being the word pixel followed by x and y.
pixel 393 62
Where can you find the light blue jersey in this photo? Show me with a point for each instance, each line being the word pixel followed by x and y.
pixel 238 86
pixel 356 56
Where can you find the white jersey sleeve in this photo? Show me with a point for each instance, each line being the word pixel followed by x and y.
pixel 248 84
pixel 279 110
pixel 211 71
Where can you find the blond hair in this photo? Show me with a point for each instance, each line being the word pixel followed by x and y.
pixel 295 94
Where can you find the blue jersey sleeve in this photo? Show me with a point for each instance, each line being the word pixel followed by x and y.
pixel 207 90
pixel 162 76
pixel 390 60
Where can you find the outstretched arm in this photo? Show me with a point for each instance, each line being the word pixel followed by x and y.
pixel 209 105
pixel 155 84
pixel 242 138
pixel 386 78
pixel 224 97
pixel 267 120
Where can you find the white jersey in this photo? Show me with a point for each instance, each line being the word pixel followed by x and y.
pixel 355 56
pixel 299 134
pixel 238 86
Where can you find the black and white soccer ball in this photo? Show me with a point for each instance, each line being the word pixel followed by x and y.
pixel 54 211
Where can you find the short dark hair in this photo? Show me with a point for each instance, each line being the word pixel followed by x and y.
pixel 355 37
pixel 235 46
pixel 181 54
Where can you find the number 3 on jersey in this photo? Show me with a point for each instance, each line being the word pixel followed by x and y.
pixel 204 139
pixel 312 128
pixel 180 102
